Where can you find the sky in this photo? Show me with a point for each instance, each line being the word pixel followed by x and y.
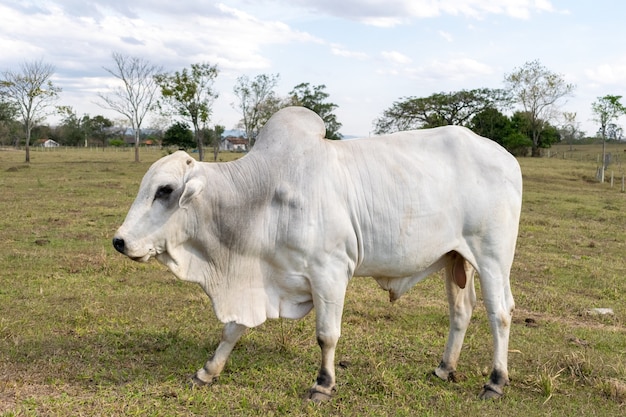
pixel 368 53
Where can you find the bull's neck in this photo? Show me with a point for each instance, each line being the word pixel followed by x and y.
pixel 249 176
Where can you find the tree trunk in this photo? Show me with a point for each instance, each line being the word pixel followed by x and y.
pixel 137 145
pixel 535 148
pixel 199 143
pixel 603 158
pixel 535 152
pixel 28 133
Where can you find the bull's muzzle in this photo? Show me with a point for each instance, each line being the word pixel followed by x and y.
pixel 119 245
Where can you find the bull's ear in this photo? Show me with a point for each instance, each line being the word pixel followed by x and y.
pixel 193 185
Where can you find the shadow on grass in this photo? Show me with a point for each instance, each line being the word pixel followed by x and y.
pixel 111 357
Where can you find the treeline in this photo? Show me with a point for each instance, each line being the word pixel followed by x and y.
pixel 523 116
pixel 183 98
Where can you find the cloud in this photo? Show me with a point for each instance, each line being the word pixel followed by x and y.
pixel 608 74
pixel 338 50
pixel 390 13
pixel 131 40
pixel 396 57
pixel 383 22
pixel 91 30
pixel 446 35
pixel 455 69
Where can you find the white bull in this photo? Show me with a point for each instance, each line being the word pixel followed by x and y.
pixel 283 229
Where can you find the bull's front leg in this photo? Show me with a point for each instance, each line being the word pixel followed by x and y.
pixel 213 367
pixel 328 312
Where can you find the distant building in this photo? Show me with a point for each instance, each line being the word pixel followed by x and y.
pixel 235 144
pixel 49 143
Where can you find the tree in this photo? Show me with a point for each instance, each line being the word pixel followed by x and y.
pixel 570 129
pixel 32 92
pixel 190 94
pixel 439 109
pixel 257 102
pixel 100 128
pixel 492 124
pixel 538 91
pixel 313 98
pixel 9 126
pixel 215 135
pixel 136 96
pixel 179 135
pixel 74 129
pixel 614 132
pixel 605 110
pixel 523 123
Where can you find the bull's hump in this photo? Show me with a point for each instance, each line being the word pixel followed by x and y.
pixel 291 130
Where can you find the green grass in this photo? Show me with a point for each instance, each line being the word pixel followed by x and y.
pixel 85 331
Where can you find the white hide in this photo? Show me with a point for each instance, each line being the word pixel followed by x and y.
pixel 299 215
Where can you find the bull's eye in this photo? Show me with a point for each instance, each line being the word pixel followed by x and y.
pixel 163 192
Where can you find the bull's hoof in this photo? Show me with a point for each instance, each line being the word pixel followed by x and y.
pixel 451 376
pixel 317 395
pixel 196 382
pixel 490 392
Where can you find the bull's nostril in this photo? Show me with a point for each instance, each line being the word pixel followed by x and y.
pixel 118 244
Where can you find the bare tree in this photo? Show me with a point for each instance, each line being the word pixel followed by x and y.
pixel 136 97
pixel 538 90
pixel 33 93
pixel 570 129
pixel 257 102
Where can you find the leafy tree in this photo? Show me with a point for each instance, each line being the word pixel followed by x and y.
pixel 136 96
pixel 8 110
pixel 537 90
pixel 190 93
pixel 179 135
pixel 492 124
pixel 100 128
pixel 117 143
pixel 523 122
pixel 74 130
pixel 605 110
pixel 257 102
pixel 439 109
pixel 9 126
pixel 32 92
pixel 215 135
pixel 314 98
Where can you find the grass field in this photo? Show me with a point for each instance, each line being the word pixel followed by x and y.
pixel 86 332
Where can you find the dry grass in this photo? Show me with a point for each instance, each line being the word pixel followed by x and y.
pixel 83 331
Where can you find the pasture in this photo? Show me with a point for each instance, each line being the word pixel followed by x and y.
pixel 85 331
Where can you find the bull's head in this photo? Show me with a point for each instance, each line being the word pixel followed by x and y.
pixel 156 223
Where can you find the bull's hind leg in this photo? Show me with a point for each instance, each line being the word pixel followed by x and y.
pixel 499 304
pixel 461 301
pixel 213 367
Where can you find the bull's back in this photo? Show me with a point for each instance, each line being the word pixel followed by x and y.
pixel 414 196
